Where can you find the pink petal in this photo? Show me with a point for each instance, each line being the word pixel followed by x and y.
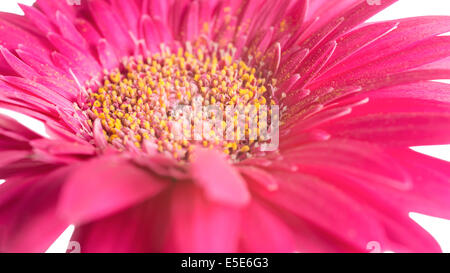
pixel 426 90
pixel 220 181
pixel 199 225
pixel 38 19
pixel 272 236
pixel 320 203
pixel 429 50
pixel 106 55
pixel 111 27
pixel 13 35
pixel 69 31
pixel 29 208
pixel 408 32
pixel 431 183
pixel 18 65
pixel 141 228
pixel 104 186
pixel 80 59
pixel 395 121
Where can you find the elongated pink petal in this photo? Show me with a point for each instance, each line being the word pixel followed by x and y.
pixel 31 208
pixel 106 54
pixel 14 35
pixel 278 236
pixel 141 228
pixel 407 32
pixel 429 50
pixel 104 186
pixel 308 198
pixel 69 31
pixel 111 26
pixel 17 65
pixel 78 59
pixel 38 19
pixel 220 181
pixel 396 121
pixel 425 90
pixel 199 225
pixel 431 191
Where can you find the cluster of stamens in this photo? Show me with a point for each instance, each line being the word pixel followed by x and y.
pixel 136 102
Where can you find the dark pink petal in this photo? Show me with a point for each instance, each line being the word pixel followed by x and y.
pixel 106 55
pixel 191 23
pixel 20 21
pixel 320 203
pixel 60 87
pixel 260 176
pixel 376 200
pixel 358 159
pixel 69 31
pixel 13 97
pixel 51 7
pixel 395 121
pixel 13 35
pixel 408 32
pixel 57 131
pixel 431 183
pixel 378 182
pixel 80 59
pixel 59 147
pixel 413 76
pixel 312 66
pixel 18 65
pixel 103 186
pixel 111 27
pixel 345 21
pixel 88 31
pixel 25 85
pixel 29 208
pixel 328 9
pixel 420 53
pixel 38 19
pixel 290 66
pixel 426 90
pixel 26 109
pixel 358 39
pixel 129 13
pixel 285 232
pixel 218 178
pixel 41 63
pixel 199 225
pixel 287 86
pixel 11 156
pixel 401 228
pixel 278 236
pixel 273 57
pixel 99 137
pixel 141 228
pixel 150 33
pixel 65 64
pixel 294 140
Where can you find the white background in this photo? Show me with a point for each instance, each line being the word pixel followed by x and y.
pixel 439 228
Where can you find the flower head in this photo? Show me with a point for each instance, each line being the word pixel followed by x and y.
pixel 231 125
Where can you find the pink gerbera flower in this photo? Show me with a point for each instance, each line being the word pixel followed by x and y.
pixel 106 78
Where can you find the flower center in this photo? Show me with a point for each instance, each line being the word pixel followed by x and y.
pixel 140 103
